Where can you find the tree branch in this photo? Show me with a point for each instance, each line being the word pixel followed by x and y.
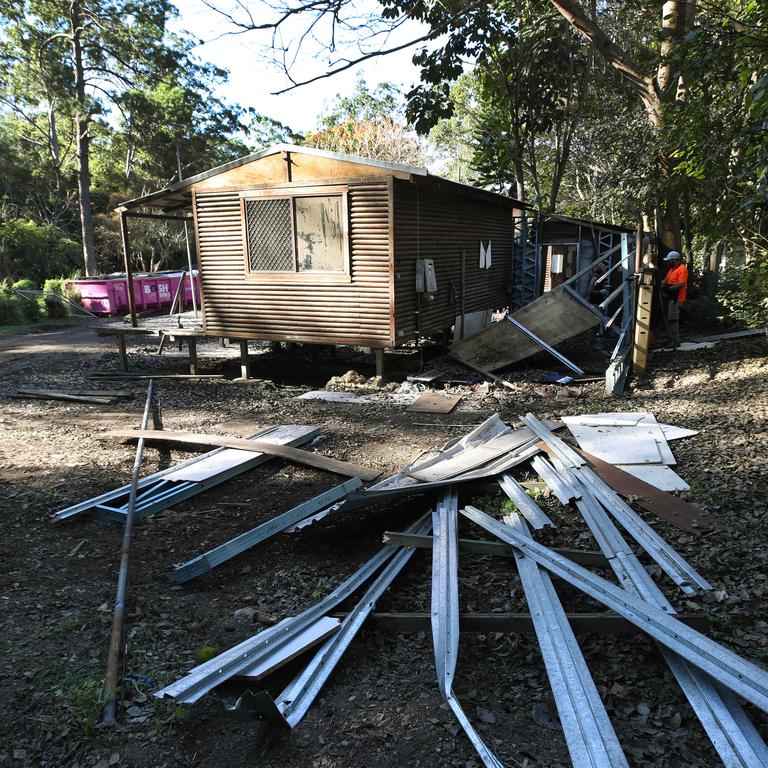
pixel 613 54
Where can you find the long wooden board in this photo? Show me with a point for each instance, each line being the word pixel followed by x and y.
pixel 553 317
pixel 671 508
pixel 297 455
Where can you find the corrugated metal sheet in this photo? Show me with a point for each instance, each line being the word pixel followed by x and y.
pixel 354 311
pixel 434 221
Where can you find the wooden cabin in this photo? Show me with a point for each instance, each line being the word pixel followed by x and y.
pixel 299 244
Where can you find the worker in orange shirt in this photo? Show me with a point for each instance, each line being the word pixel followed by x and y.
pixel 675 287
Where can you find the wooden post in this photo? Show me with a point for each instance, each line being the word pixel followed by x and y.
pixel 642 338
pixel 379 353
pixel 639 248
pixel 245 360
pixel 128 270
pixel 177 295
pixel 122 352
pixel 192 346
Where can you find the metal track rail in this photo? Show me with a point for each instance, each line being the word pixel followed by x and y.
pixel 159 494
pixel 728 668
pixel 445 614
pixel 732 733
pixel 574 476
pixel 206 562
pixel 591 739
pixel 530 510
pixel 260 647
pixel 295 701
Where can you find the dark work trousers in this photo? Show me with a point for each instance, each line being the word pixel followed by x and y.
pixel 673 318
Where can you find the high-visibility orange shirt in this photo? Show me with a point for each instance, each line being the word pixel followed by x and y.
pixel 679 275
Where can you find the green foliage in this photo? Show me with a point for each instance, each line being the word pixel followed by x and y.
pixel 15 309
pixel 368 124
pixel 35 249
pixel 743 294
pixel 10 312
pixel 77 702
pixel 141 91
pixel 25 284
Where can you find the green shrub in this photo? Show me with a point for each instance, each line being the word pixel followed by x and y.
pixel 55 308
pixel 55 285
pixel 25 284
pixel 36 249
pixel 743 294
pixel 30 306
pixel 10 312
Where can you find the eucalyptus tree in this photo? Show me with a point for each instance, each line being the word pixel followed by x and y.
pixel 77 58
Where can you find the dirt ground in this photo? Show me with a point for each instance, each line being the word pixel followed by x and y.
pixel 381 706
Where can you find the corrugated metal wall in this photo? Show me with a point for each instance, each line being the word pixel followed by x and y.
pixel 357 311
pixel 436 221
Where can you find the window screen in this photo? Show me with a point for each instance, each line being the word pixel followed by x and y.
pixel 269 235
pixel 319 234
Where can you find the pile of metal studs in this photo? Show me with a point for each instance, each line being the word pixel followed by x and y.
pixel 713 678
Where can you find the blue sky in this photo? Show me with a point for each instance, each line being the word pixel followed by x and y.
pixel 252 80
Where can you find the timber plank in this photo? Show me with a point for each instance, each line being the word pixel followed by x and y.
pixel 671 508
pixel 255 446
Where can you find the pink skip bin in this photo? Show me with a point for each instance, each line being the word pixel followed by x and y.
pixel 109 295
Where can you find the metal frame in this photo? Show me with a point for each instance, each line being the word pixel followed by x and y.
pixel 158 494
pixel 271 641
pixel 732 733
pixel 532 512
pixel 543 344
pixel 294 702
pixel 211 559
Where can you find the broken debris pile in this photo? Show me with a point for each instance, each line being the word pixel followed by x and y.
pixel 713 678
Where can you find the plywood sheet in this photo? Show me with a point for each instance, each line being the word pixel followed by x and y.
pixel 432 402
pixel 553 317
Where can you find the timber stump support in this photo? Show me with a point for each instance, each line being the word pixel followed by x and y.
pixel 245 360
pixel 379 356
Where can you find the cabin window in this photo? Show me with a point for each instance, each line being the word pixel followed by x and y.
pixel 301 234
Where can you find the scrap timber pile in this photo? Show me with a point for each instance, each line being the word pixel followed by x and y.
pixel 620 457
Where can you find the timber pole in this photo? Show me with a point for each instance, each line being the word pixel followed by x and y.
pixel 186 240
pixel 111 681
pixel 128 270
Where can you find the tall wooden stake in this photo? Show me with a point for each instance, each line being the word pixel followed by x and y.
pixel 111 681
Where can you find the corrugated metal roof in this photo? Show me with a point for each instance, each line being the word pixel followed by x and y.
pixel 174 193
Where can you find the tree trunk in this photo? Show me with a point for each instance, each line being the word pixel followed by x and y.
pixel 653 92
pixel 82 143
pixel 53 142
pixel 712 270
